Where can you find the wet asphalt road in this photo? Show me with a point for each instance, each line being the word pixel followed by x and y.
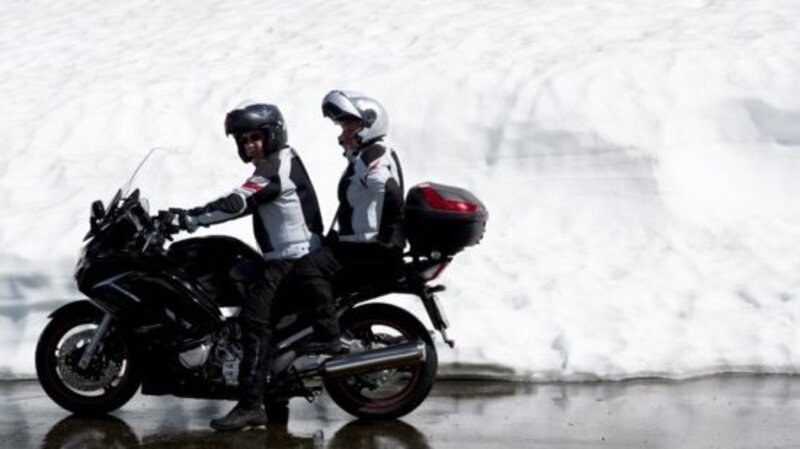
pixel 716 412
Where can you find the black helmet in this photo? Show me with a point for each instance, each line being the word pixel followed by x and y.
pixel 262 117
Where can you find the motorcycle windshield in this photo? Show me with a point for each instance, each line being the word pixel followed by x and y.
pixel 147 176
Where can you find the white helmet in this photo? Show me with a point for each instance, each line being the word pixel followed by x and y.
pixel 338 105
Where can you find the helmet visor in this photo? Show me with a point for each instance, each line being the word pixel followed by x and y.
pixel 337 107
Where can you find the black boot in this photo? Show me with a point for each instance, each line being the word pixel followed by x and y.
pixel 244 414
pixel 249 411
pixel 325 339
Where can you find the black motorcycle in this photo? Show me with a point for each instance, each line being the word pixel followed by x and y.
pixel 165 317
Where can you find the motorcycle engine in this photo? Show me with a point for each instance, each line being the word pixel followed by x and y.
pixel 220 360
pixel 195 357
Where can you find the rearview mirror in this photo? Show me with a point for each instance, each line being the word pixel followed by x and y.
pixel 98 210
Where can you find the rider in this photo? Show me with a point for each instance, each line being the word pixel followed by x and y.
pixel 287 225
pixel 370 239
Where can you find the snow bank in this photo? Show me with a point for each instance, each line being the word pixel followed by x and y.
pixel 638 159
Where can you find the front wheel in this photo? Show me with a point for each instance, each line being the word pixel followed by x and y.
pixel 112 376
pixel 390 393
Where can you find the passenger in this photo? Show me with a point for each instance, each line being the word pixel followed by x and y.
pixel 370 240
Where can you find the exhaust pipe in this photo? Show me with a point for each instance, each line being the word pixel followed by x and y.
pixel 384 358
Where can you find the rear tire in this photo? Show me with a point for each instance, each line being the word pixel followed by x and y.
pixel 361 395
pixel 113 376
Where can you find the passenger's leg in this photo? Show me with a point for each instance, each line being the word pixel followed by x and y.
pixel 314 274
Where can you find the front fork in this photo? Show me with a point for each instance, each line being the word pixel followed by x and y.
pixel 87 355
pixel 436 311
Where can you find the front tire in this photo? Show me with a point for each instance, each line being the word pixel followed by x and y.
pixel 392 393
pixel 112 377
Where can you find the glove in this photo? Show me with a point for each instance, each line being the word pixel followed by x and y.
pixel 175 220
pixel 168 222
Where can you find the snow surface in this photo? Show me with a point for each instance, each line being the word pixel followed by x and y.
pixel 638 158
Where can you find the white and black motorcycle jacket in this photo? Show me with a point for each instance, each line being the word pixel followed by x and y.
pixel 286 219
pixel 371 197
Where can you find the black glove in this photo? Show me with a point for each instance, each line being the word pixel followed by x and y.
pixel 173 220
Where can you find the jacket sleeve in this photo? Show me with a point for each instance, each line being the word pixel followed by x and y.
pixel 263 187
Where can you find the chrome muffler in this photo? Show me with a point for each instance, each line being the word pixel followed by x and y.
pixel 374 360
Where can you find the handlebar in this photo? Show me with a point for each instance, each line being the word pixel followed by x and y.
pixel 162 229
pixel 164 224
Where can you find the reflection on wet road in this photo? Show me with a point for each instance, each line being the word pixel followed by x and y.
pixel 112 432
pixel 725 412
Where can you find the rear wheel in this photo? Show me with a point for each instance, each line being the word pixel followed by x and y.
pixel 108 382
pixel 389 393
pixel 393 434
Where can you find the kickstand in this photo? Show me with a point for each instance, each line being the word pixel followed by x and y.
pixel 450 342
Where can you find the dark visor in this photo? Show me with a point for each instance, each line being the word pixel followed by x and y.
pixel 336 114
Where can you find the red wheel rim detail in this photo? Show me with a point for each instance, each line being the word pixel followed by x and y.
pixel 380 404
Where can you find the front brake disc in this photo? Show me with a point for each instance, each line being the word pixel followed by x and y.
pixel 100 372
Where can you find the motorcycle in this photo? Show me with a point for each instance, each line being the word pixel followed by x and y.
pixel 164 316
